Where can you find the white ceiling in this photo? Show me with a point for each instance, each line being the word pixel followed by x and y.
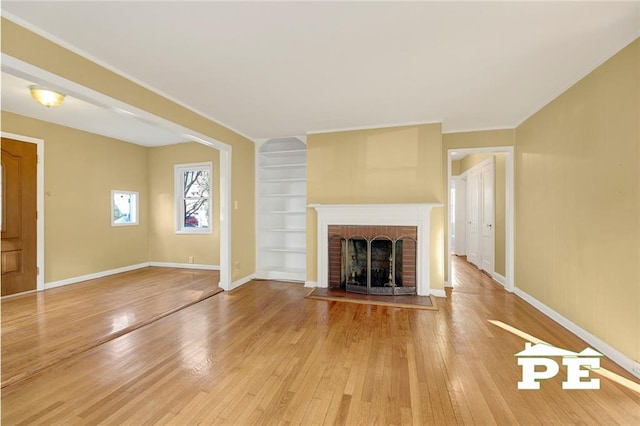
pixel 83 115
pixel 281 69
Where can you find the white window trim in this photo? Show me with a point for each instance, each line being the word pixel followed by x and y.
pixel 178 169
pixel 134 209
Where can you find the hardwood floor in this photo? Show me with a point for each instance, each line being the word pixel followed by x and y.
pixel 262 354
pixel 41 329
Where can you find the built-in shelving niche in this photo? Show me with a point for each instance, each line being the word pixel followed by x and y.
pixel 281 207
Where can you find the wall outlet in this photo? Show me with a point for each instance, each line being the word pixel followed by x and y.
pixel 236 267
pixel 190 259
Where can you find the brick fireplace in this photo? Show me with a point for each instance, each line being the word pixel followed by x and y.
pixel 373 259
pixel 373 232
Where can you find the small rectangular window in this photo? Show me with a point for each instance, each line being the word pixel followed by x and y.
pixel 193 191
pixel 124 208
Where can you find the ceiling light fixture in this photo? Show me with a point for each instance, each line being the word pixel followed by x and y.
pixel 46 97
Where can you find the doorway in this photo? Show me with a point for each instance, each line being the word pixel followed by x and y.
pixel 487 241
pixel 29 72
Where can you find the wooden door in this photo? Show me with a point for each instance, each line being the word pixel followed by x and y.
pixel 19 243
pixel 473 216
pixel 487 213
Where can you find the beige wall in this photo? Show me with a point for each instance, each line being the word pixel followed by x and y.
pixel 472 160
pixel 164 244
pixel 81 169
pixel 455 167
pixel 578 203
pixel 478 139
pixel 36 50
pixel 500 249
pixel 358 167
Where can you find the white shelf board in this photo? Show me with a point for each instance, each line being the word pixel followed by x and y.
pixel 283 180
pixel 283 166
pixel 276 268
pixel 283 152
pixel 292 230
pixel 283 212
pixel 285 249
pixel 284 195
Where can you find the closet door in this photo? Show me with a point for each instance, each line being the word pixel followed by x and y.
pixel 473 216
pixel 487 214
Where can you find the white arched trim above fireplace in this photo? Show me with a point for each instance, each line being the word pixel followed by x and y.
pixel 418 215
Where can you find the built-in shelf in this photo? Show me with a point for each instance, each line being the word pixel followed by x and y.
pixel 284 195
pixel 284 166
pixel 284 153
pixel 302 230
pixel 281 207
pixel 286 249
pixel 284 212
pixel 284 180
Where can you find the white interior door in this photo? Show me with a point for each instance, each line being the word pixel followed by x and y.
pixel 460 247
pixel 473 217
pixel 487 214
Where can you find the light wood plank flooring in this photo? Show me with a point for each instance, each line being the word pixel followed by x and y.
pixel 262 354
pixel 41 329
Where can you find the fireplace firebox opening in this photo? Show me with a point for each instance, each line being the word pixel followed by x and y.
pixel 373 259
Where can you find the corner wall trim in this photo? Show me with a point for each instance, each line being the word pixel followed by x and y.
pixel 499 278
pixel 185 265
pixel 437 292
pixel 241 281
pixel 608 350
pixel 93 276
pixel 311 284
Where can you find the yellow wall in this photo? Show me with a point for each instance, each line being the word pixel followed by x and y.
pixel 358 167
pixel 81 169
pixel 164 244
pixel 578 203
pixel 478 139
pixel 472 160
pixel 36 50
pixel 455 167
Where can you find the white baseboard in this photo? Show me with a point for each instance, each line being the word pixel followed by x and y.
pixel 609 351
pixel 279 276
pixel 499 278
pixel 437 292
pixel 311 284
pixel 73 280
pixel 241 281
pixel 185 265
pixel 448 284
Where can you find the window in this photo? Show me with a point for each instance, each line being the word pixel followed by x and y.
pixel 193 184
pixel 124 208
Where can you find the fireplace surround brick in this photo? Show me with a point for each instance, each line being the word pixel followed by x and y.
pixel 337 232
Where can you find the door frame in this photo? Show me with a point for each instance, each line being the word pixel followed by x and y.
pixel 30 72
pixel 39 202
pixel 509 279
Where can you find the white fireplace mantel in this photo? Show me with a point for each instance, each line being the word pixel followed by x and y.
pixel 418 215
